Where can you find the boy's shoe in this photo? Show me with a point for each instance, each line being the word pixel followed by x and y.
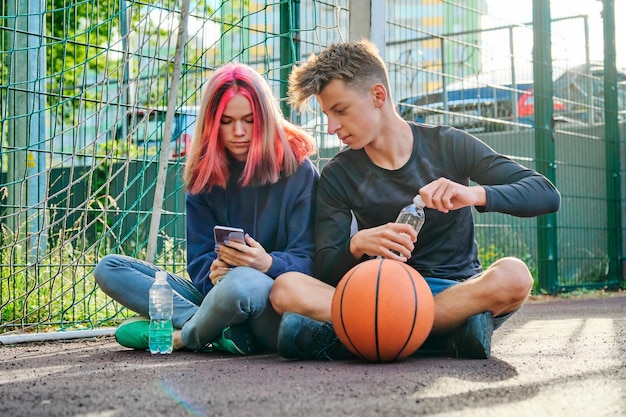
pixel 472 340
pixel 133 333
pixel 237 340
pixel 301 337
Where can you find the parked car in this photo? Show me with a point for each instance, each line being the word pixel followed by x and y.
pixel 481 104
pixel 147 126
pixel 582 90
pixel 138 135
pixel 483 108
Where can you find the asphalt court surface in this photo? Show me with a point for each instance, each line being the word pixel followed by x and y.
pixel 555 357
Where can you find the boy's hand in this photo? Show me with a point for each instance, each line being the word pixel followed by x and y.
pixel 383 240
pixel 445 195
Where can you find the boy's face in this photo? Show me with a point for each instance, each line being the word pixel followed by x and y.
pixel 352 115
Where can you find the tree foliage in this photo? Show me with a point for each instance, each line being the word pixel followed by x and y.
pixel 79 35
pixel 86 44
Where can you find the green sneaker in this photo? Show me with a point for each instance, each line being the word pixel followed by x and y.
pixel 237 340
pixel 133 333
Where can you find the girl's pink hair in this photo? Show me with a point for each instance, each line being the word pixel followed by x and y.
pixel 277 145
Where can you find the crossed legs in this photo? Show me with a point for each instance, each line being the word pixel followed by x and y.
pixel 500 289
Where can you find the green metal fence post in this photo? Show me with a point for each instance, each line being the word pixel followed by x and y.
pixel 289 51
pixel 544 140
pixel 612 141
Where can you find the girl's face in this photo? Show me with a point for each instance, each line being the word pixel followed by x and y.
pixel 236 124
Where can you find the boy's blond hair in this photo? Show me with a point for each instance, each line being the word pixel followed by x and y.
pixel 358 64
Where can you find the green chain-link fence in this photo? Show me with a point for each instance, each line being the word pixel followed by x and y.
pixel 85 95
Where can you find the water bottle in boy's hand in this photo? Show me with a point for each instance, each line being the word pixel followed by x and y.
pixel 412 214
pixel 161 308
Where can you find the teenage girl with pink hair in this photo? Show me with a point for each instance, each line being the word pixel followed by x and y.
pixel 248 167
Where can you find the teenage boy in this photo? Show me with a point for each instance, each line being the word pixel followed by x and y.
pixel 388 161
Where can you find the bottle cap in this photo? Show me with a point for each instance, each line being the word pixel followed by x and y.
pixel 417 200
pixel 161 276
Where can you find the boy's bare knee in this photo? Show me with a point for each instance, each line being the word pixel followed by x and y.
pixel 302 294
pixel 514 281
pixel 279 294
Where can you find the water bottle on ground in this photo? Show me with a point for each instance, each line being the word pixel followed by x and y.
pixel 161 308
pixel 412 214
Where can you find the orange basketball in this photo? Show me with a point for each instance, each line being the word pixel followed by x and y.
pixel 382 310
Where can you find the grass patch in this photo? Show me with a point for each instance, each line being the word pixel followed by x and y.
pixel 58 290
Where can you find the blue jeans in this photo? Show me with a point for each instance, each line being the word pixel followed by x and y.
pixel 241 297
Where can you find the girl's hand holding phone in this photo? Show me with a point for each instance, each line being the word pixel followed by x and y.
pixel 250 253
pixel 219 268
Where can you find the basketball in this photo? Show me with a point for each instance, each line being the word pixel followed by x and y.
pixel 382 310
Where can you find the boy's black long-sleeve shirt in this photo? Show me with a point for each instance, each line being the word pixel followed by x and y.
pixel 445 248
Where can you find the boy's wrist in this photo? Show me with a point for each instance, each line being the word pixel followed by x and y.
pixel 481 196
pixel 354 247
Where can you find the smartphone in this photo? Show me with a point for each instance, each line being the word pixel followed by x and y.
pixel 224 233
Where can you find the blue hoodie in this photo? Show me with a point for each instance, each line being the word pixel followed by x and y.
pixel 279 216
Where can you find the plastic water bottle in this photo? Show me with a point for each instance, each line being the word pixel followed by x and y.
pixel 161 308
pixel 412 214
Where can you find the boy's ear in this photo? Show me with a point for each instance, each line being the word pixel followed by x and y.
pixel 379 93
